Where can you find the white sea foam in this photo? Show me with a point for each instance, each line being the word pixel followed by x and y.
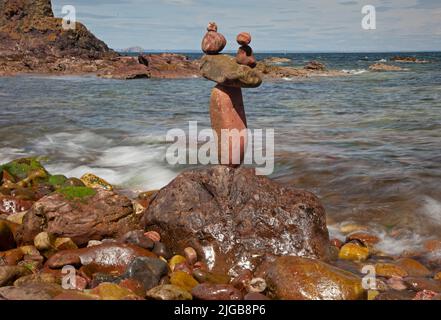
pixel 408 240
pixel 134 162
pixel 354 71
pixel 431 209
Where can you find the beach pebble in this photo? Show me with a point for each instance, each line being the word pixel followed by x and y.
pixel 243 38
pixel 419 284
pixel 364 237
pixel 190 255
pixel 209 291
pixel 241 281
pixel 168 292
pixel 175 260
pixel 200 265
pixel 92 181
pixel 413 267
pixel 183 267
pixel 336 243
pixel 396 283
pixel 425 295
pixel 64 244
pixel 183 280
pixel 372 294
pixel 203 276
pixel 43 241
pixel 351 251
pixel 255 296
pixel 256 285
pixel 246 57
pixel 148 271
pixel 389 270
pixel 93 243
pixel 153 235
pixel 161 250
pixel 137 237
pixel 133 285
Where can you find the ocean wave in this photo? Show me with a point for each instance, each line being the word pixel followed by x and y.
pixel 136 163
pixel 354 71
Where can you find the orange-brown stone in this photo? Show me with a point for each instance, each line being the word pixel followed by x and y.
pixel 227 113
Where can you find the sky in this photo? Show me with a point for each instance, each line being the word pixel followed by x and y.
pixel 282 25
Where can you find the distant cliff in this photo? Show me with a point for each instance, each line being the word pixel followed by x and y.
pixel 33 40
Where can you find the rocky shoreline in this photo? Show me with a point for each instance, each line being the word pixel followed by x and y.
pixel 216 233
pixel 32 41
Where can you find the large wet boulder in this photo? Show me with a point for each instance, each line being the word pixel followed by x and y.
pixel 79 213
pixel 232 217
pixel 224 70
pixel 296 278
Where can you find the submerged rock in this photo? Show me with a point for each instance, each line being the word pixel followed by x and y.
pixel 79 213
pixel 295 278
pixel 384 67
pixel 231 217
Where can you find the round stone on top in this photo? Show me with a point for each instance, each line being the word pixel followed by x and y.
pixel 243 38
pixel 212 26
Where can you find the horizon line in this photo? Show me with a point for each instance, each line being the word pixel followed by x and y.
pixel 277 51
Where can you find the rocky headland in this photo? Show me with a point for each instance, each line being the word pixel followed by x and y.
pixel 33 41
pixel 217 233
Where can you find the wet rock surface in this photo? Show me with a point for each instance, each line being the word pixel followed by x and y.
pixel 295 278
pixel 224 70
pixel 229 215
pixel 92 215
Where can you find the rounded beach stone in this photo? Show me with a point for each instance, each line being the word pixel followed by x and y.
pixel 246 57
pixel 243 38
pixel 213 42
pixel 212 26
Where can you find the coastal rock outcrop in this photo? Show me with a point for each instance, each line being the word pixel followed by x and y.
pixel 378 67
pixel 233 217
pixel 79 213
pixel 33 40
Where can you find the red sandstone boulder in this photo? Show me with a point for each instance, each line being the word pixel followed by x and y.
pixel 101 214
pixel 232 217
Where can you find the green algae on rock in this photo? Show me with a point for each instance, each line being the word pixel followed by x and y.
pixel 21 168
pixel 73 193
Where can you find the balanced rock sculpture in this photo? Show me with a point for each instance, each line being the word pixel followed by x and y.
pixel 213 42
pixel 227 111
